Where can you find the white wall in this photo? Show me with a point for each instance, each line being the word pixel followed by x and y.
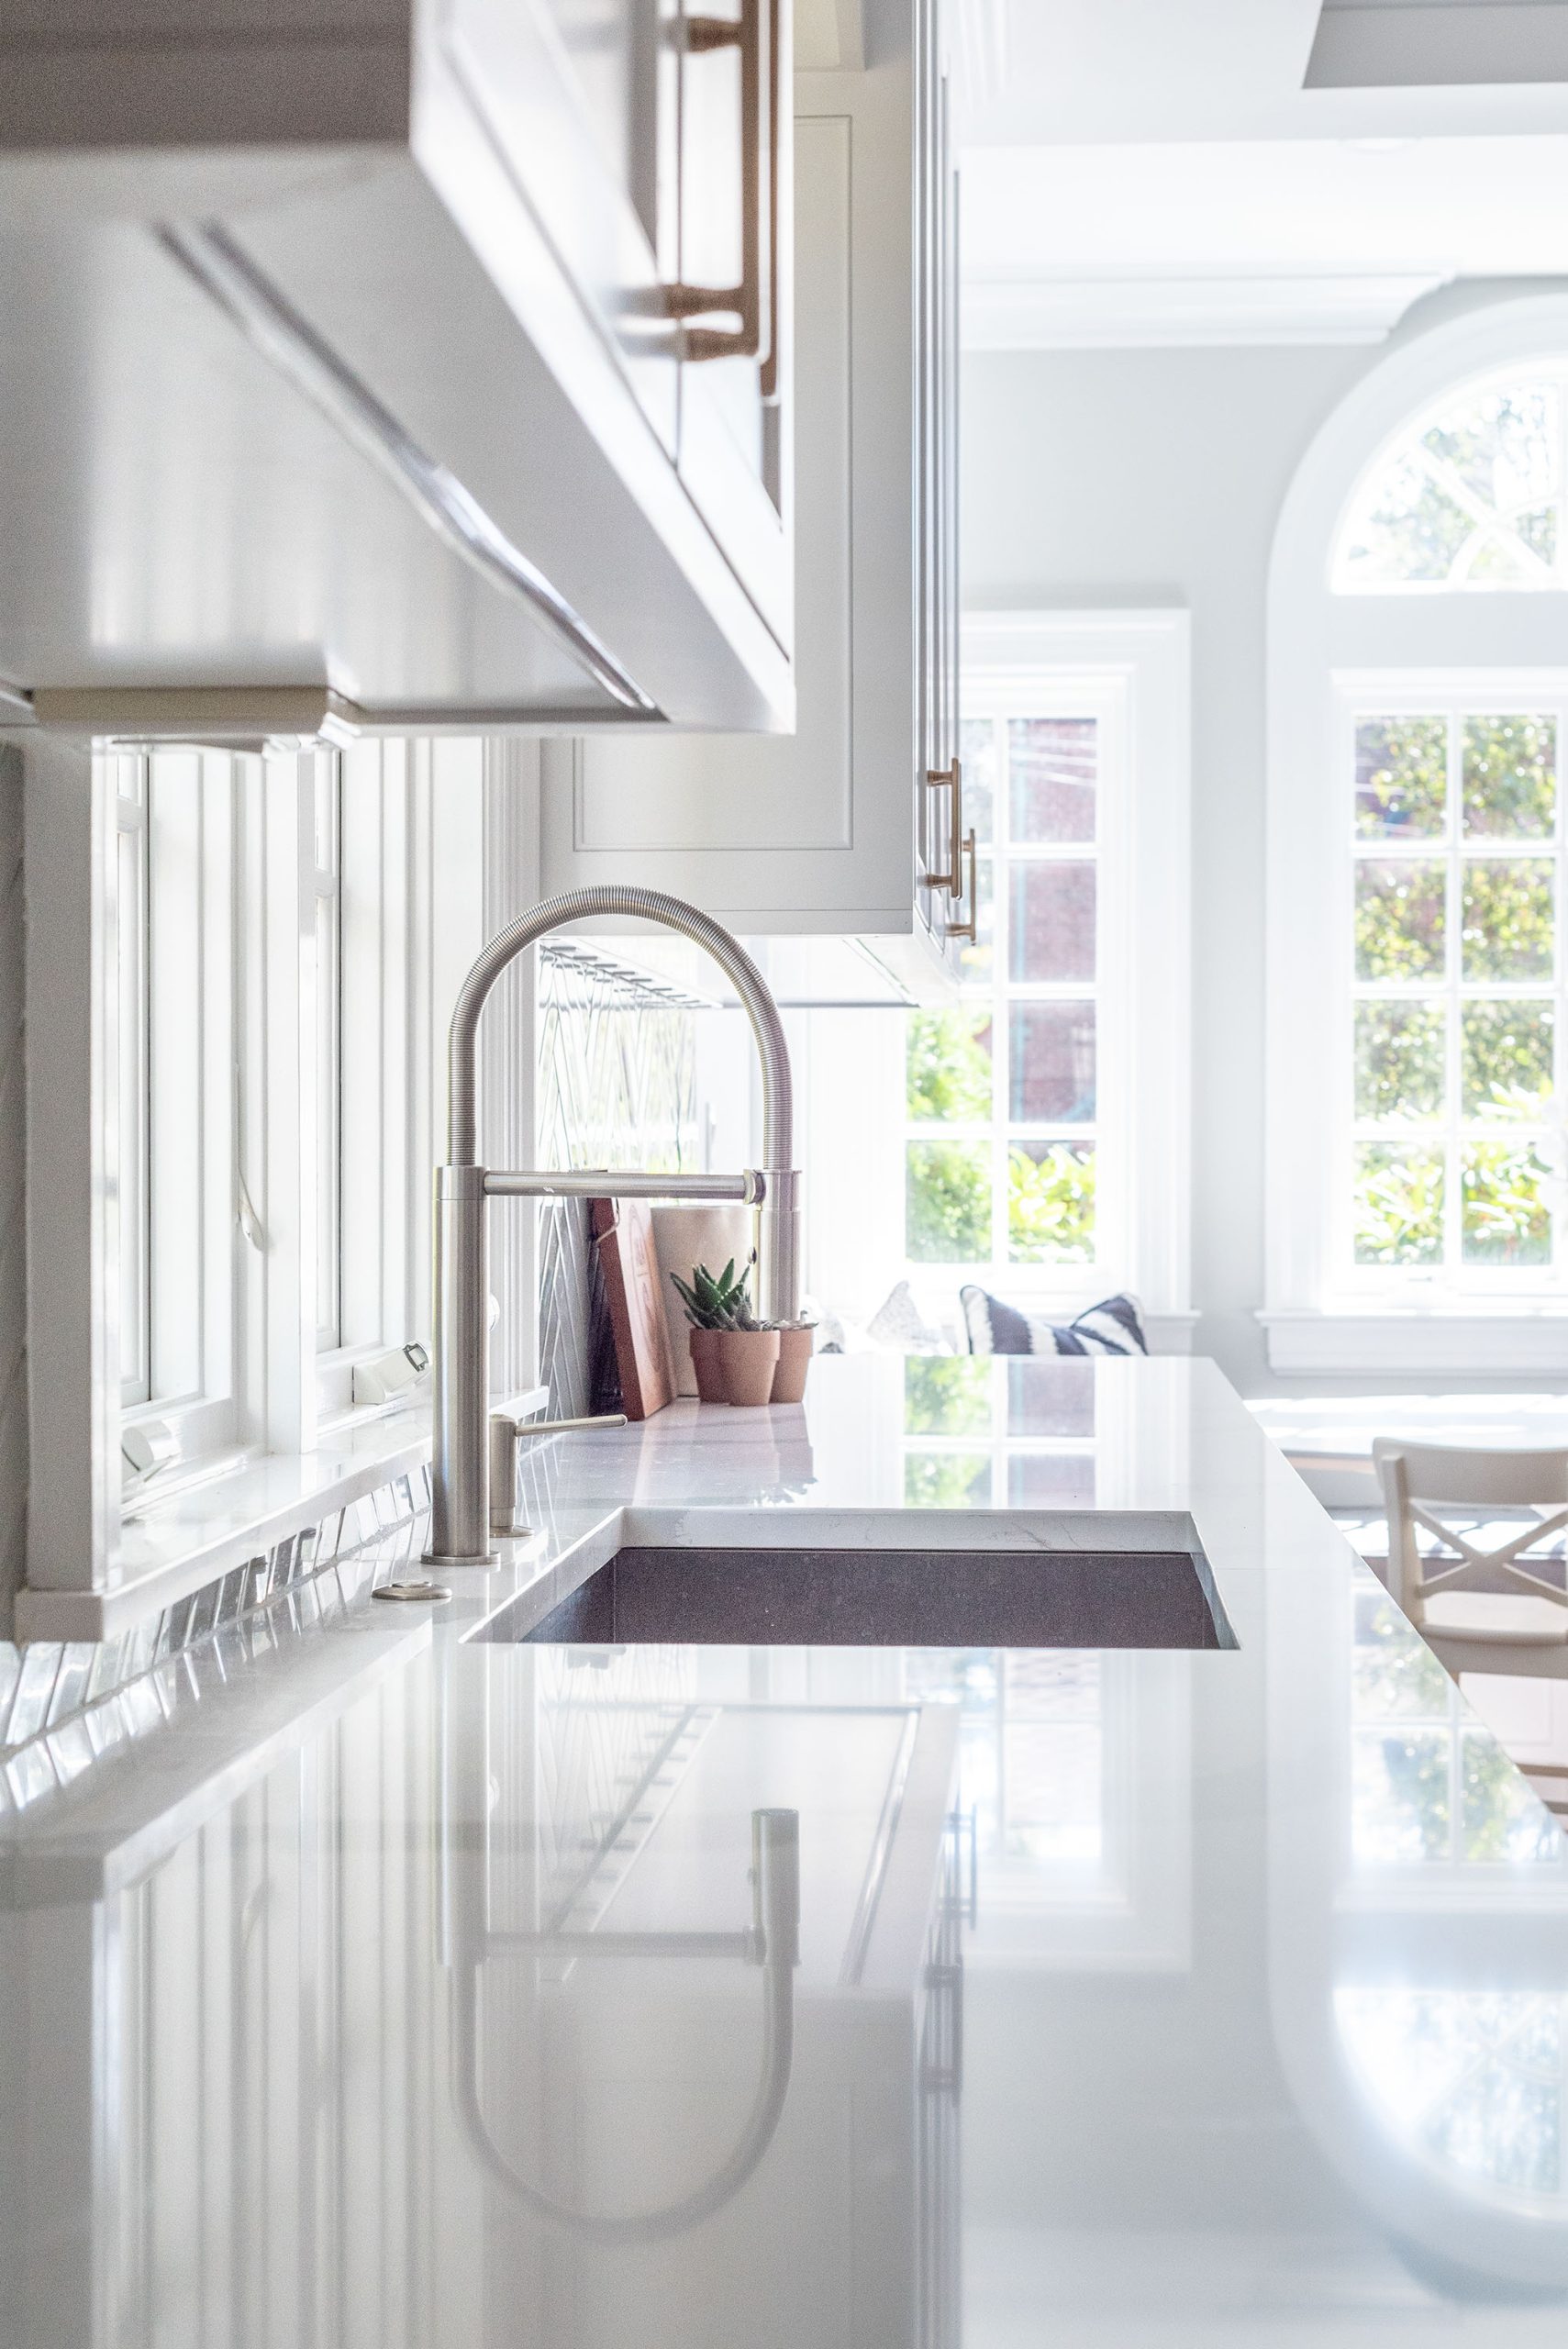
pixel 1146 477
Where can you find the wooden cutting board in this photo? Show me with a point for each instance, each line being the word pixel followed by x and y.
pixel 624 1230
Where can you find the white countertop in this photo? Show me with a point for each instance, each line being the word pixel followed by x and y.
pixel 1265 2005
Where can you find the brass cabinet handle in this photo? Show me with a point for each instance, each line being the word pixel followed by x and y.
pixel 951 778
pixel 760 98
pixel 967 928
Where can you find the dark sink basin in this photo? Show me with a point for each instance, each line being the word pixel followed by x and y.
pixel 930 1598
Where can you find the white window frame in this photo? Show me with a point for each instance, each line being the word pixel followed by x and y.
pixel 177 1172
pixel 1131 669
pixel 1324 647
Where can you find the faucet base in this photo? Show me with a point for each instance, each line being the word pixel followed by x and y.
pixel 442 1558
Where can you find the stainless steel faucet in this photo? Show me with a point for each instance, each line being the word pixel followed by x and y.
pixel 460 1516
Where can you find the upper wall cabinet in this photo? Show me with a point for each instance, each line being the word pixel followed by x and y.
pixel 426 357
pixel 840 828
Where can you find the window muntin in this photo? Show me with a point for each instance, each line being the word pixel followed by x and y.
pixel 1004 1092
pixel 1469 497
pixel 1456 972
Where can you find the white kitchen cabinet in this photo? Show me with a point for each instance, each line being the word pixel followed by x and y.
pixel 439 354
pixel 838 828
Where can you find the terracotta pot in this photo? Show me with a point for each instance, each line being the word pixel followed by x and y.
pixel 735 1366
pixel 796 1348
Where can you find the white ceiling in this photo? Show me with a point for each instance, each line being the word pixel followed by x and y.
pixel 1155 171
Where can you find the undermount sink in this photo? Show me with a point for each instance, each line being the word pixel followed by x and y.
pixel 872 1597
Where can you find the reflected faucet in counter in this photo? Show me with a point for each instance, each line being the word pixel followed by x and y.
pixel 771 1941
pixel 460 1515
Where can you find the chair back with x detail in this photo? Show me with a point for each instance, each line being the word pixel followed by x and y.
pixel 1482 1604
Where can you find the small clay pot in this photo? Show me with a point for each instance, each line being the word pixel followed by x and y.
pixel 794 1360
pixel 735 1366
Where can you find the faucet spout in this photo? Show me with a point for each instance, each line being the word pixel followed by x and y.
pixel 460 1506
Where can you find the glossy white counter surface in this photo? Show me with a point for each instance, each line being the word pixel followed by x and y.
pixel 314 2004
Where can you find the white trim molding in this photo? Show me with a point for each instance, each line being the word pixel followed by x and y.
pixel 1323 650
pixel 1128 312
pixel 1482 1344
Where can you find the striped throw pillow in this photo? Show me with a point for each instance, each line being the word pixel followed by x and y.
pixel 1113 1326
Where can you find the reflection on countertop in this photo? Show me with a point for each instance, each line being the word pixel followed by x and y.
pixel 1139 1999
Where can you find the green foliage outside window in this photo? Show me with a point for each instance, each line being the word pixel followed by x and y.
pixel 1506 1218
pixel 1399 1062
pixel 1508 918
pixel 1401 914
pixel 948 1066
pixel 1401 777
pixel 1051 1205
pixel 1510 778
pixel 1398 1207
pixel 946 1202
pixel 1505 1054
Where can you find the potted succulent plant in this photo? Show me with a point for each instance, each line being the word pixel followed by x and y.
pixel 797 1340
pixel 733 1359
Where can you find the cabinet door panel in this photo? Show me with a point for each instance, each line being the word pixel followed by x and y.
pixel 734 454
pixel 578 100
pixel 722 794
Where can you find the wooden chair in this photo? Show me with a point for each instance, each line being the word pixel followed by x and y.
pixel 1479 1609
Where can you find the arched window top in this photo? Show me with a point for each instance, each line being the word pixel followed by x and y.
pixel 1468 497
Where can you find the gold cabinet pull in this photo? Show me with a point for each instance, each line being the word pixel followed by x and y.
pixel 759 102
pixel 950 778
pixel 967 928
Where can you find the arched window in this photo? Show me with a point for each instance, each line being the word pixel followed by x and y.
pixel 1469 497
pixel 1418 910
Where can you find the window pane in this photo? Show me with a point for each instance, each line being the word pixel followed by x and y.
pixel 1054 1801
pixel 1052 913
pixel 977 956
pixel 1503 1819
pixel 131 935
pixel 1050 1203
pixel 977 749
pixel 1506 1219
pixel 1399 1795
pixel 948 1066
pixel 1400 1060
pixel 1401 923
pixel 1051 1057
pixel 1510 778
pixel 1401 777
pixel 1394 1675
pixel 947 1479
pixel 1052 1480
pixel 1406 530
pixel 946 1395
pixel 1398 1205
pixel 946 1202
pixel 1049 1395
pixel 1053 765
pixel 1506 1052
pixel 1508 920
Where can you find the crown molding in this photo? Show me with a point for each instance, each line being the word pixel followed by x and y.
pixel 1121 313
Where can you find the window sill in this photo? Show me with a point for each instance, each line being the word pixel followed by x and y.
pixel 187 1538
pixel 1486 1341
